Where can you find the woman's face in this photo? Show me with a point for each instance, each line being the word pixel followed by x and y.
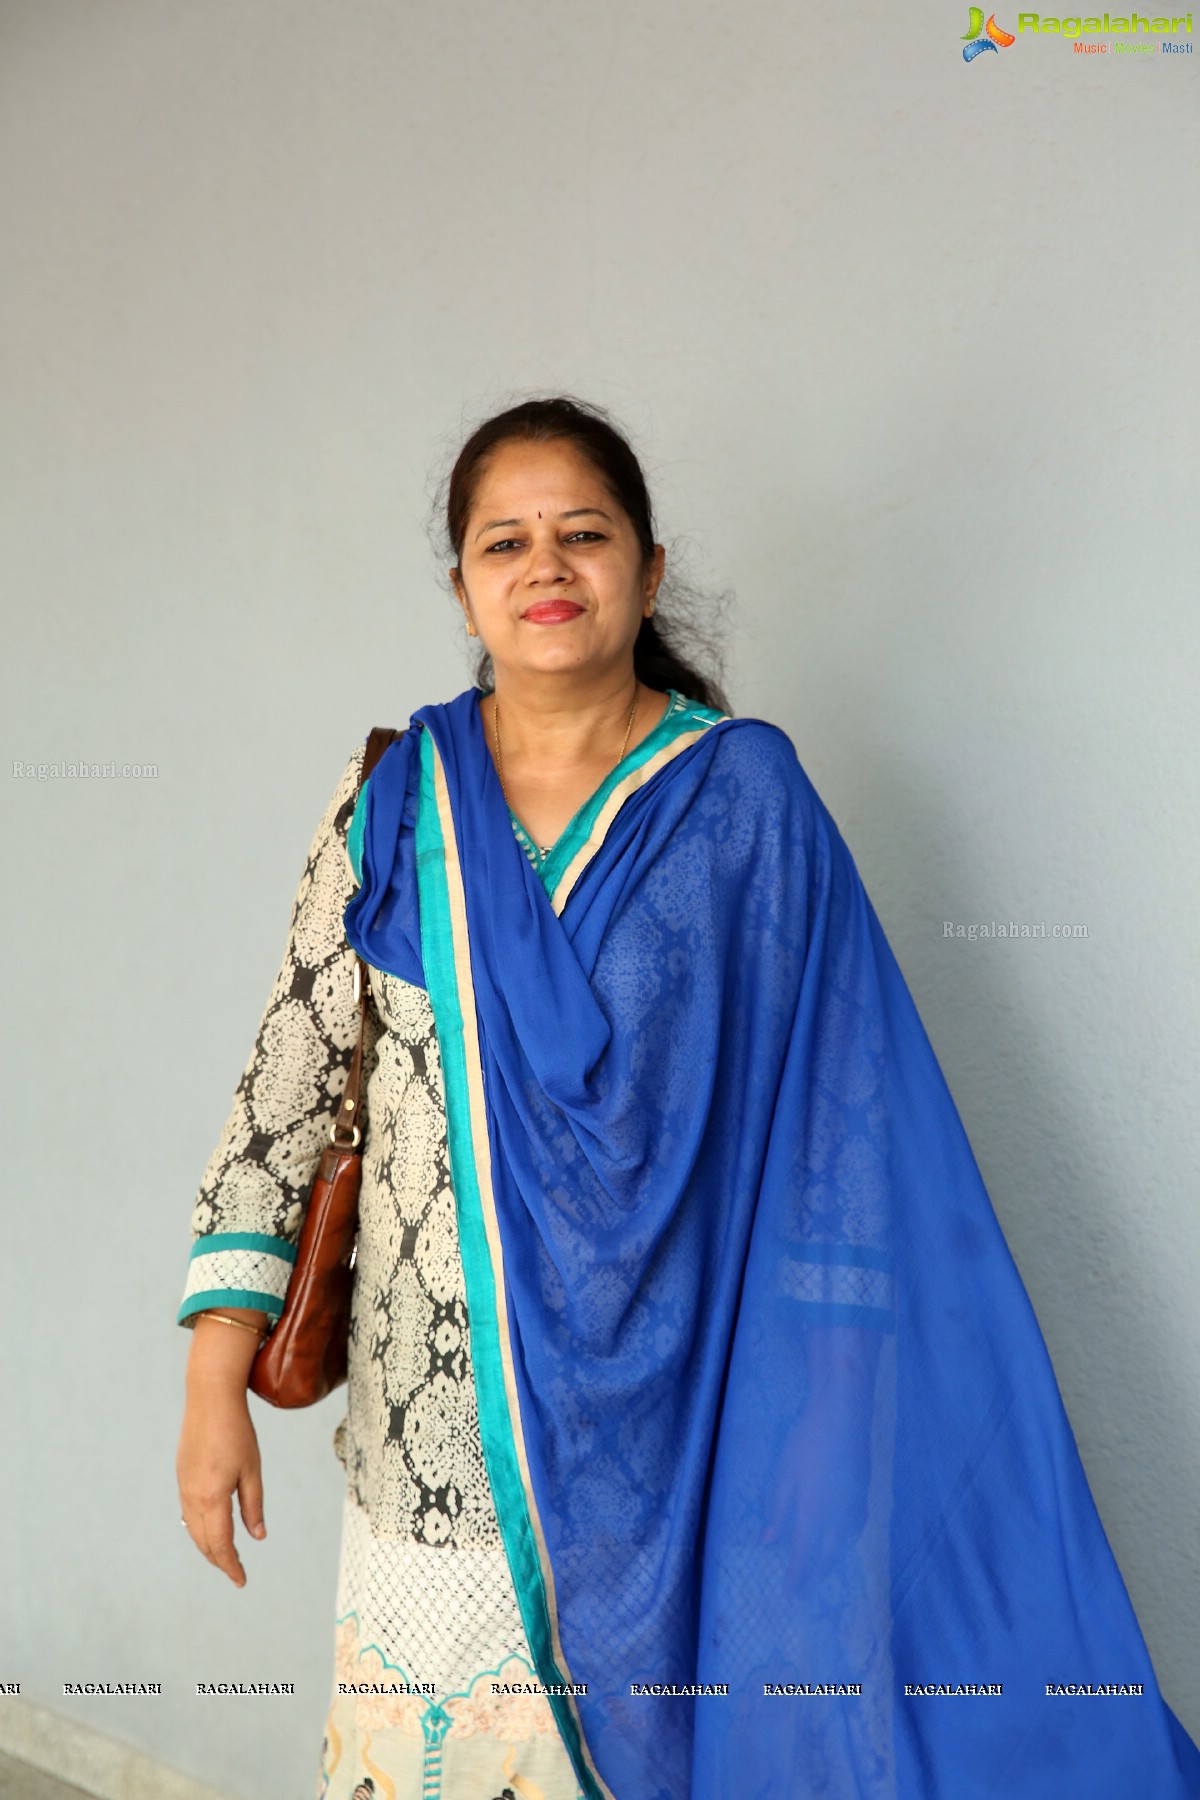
pixel 544 527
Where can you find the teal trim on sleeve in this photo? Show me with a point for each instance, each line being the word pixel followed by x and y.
pixel 268 1303
pixel 495 1424
pixel 354 836
pixel 243 1240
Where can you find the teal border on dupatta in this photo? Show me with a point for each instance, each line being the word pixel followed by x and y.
pixel 496 1427
pixel 681 715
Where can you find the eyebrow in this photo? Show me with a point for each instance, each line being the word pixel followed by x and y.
pixel 577 513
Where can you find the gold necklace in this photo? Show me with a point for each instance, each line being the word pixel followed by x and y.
pixel 546 848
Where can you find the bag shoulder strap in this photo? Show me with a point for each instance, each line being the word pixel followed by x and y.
pixel 345 1131
pixel 377 742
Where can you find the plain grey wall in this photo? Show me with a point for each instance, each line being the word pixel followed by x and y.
pixel 909 350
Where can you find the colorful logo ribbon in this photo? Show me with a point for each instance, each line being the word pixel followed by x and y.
pixel 974 45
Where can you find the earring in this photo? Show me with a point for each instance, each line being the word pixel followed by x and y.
pixel 650 608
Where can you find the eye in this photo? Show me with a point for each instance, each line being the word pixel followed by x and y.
pixel 501 543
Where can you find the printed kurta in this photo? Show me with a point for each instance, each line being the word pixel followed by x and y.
pixel 428 1626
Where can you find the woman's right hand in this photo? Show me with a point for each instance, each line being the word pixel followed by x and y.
pixel 218 1452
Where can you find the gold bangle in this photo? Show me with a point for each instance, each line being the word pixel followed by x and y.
pixel 242 1324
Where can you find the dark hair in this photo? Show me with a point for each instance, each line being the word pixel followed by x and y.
pixel 659 657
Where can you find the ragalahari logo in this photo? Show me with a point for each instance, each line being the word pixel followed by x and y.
pixel 974 45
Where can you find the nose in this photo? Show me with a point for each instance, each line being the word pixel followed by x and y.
pixel 547 562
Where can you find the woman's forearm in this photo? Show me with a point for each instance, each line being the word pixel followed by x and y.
pixel 221 1355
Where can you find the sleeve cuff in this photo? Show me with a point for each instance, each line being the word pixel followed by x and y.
pixel 237 1268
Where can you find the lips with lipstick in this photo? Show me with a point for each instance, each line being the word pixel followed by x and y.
pixel 551 612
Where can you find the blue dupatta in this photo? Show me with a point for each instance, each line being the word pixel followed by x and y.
pixel 788 1493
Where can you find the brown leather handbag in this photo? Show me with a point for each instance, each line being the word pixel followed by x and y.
pixel 305 1357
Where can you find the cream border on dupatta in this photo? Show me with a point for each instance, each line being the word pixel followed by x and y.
pixel 629 784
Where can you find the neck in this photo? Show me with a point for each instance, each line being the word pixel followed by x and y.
pixel 545 724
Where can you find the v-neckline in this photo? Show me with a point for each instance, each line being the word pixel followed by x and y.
pixel 683 722
pixel 546 851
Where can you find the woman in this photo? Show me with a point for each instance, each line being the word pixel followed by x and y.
pixel 701 1441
